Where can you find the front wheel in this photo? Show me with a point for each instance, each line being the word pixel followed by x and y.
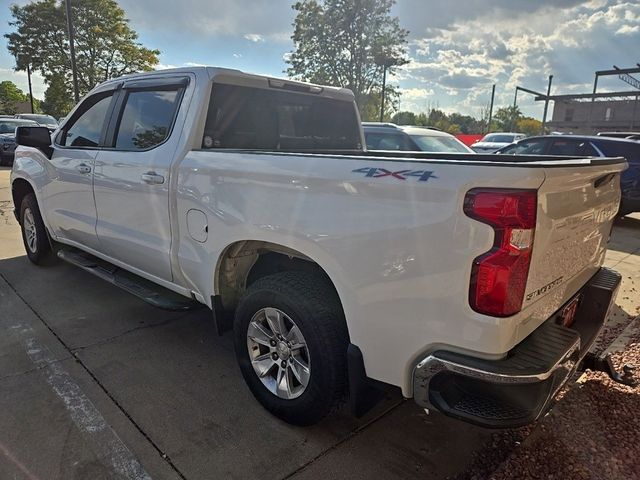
pixel 34 233
pixel 291 342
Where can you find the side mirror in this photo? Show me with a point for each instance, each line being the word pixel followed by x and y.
pixel 36 137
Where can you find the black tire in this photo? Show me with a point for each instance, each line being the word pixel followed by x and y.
pixel 311 302
pixel 39 249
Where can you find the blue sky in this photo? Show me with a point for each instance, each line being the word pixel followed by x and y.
pixel 458 48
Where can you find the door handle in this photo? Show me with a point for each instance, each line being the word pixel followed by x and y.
pixel 83 168
pixel 152 178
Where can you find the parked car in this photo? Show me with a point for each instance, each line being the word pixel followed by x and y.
pixel 8 127
pixel 592 146
pixel 389 136
pixel 446 275
pixel 44 120
pixel 494 141
pixel 627 135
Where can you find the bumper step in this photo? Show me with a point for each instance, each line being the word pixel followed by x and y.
pixel 518 389
pixel 144 289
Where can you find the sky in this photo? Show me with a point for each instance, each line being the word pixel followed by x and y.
pixel 457 48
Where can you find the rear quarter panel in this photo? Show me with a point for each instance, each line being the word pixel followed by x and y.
pixel 398 251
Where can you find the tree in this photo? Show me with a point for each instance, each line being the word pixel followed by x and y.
pixel 404 118
pixel 467 123
pixel 506 118
pixel 10 96
pixel 371 103
pixel 345 42
pixel 529 126
pixel 58 100
pixel 106 47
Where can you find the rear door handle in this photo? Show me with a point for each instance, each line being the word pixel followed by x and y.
pixel 83 168
pixel 152 178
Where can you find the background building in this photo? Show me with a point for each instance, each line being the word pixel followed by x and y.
pixel 587 117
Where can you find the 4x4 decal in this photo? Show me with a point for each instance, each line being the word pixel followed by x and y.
pixel 376 172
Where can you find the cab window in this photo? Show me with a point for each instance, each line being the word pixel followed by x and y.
pixel 147 118
pixel 242 117
pixel 85 128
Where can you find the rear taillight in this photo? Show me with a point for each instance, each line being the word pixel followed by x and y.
pixel 499 277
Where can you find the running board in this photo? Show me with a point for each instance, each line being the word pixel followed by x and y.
pixel 144 289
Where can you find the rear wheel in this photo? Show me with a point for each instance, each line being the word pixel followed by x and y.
pixel 34 234
pixel 291 342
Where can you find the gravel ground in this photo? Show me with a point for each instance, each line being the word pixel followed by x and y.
pixel 593 432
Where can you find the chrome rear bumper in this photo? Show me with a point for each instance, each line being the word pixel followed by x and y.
pixel 520 388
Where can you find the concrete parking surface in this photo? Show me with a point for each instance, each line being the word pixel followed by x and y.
pixel 96 384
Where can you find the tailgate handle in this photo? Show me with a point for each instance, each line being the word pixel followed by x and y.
pixel 603 179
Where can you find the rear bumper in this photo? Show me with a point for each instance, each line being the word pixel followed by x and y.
pixel 520 388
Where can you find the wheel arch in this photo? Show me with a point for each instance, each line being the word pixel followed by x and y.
pixel 243 262
pixel 20 188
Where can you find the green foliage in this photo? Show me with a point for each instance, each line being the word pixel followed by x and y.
pixel 404 118
pixel 345 43
pixel 371 103
pixel 10 96
pixel 106 47
pixel 454 123
pixel 529 126
pixel 58 100
pixel 506 118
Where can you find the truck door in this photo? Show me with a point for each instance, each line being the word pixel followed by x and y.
pixel 131 183
pixel 68 197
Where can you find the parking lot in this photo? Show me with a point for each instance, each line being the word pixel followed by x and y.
pixel 97 384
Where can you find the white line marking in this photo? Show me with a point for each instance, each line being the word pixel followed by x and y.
pixel 105 441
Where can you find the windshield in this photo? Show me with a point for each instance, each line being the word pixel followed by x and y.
pixel 42 119
pixel 9 126
pixel 498 138
pixel 428 143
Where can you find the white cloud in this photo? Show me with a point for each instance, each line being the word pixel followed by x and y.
pixel 254 37
pixel 461 60
pixel 628 29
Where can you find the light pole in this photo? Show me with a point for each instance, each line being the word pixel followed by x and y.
pixel 546 105
pixel 30 90
pixel 385 62
pixel 493 94
pixel 72 50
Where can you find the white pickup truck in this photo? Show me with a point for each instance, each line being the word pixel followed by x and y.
pixel 471 282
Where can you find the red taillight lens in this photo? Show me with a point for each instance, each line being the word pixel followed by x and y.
pixel 499 277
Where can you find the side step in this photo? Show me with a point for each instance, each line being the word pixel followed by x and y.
pixel 144 289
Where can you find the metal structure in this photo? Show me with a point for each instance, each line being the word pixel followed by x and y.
pixel 546 105
pixel 493 94
pixel 623 101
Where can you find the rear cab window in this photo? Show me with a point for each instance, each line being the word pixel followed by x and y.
pixel 255 118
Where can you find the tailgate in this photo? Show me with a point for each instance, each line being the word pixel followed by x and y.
pixel 576 208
